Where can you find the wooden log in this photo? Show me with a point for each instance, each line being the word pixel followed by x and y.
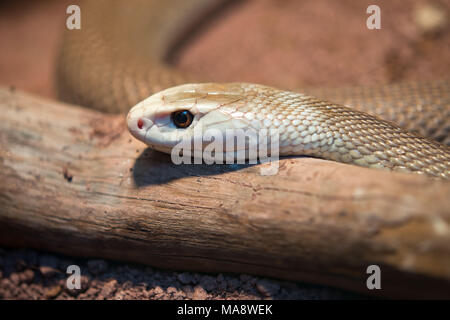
pixel 74 181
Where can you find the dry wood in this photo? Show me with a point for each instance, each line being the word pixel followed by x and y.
pixel 74 181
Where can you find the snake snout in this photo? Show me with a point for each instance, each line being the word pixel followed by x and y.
pixel 138 125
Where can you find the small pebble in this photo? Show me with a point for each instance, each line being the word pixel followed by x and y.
pixel 267 288
pixel 189 291
pixel 52 292
pixel 199 293
pixel 97 266
pixel 47 271
pixel 27 276
pixel 171 290
pixel 109 289
pixel 14 277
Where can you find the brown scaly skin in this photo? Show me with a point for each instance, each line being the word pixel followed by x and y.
pixel 306 126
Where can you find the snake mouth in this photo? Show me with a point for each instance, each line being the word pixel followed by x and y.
pixel 146 130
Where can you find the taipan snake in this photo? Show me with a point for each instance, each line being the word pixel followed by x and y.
pixel 117 60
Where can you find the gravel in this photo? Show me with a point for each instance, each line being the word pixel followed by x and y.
pixel 30 274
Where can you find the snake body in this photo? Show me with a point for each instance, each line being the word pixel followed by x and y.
pixel 119 59
pixel 306 125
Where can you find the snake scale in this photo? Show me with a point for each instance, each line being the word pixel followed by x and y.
pixel 118 58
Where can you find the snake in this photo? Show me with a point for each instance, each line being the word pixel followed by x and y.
pixel 120 60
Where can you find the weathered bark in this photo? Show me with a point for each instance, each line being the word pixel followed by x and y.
pixel 74 181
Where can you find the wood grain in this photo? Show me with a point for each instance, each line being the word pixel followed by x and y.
pixel 74 181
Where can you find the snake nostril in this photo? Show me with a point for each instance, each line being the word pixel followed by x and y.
pixel 140 123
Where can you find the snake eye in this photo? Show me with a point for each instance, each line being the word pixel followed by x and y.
pixel 182 119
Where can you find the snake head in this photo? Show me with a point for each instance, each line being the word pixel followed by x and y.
pixel 164 119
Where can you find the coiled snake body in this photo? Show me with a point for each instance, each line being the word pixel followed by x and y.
pixel 108 66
